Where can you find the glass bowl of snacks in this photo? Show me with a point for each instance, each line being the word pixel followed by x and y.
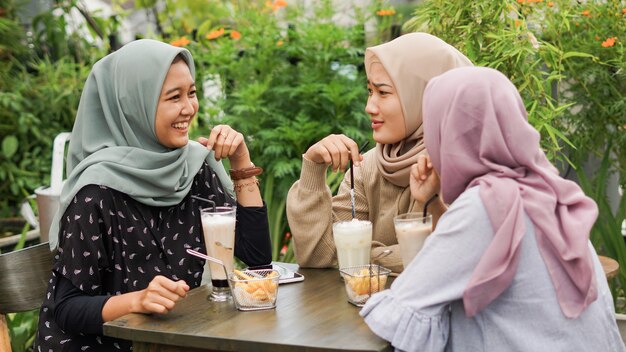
pixel 364 280
pixel 254 289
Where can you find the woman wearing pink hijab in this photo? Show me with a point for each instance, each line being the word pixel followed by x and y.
pixel 509 266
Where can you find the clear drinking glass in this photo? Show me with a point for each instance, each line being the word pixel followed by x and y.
pixel 218 226
pixel 353 240
pixel 411 232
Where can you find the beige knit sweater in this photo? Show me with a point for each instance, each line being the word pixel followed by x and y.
pixel 311 211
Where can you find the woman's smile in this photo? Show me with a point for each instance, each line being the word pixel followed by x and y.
pixel 376 124
pixel 181 126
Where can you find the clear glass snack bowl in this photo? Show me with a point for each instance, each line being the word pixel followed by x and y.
pixel 254 289
pixel 362 281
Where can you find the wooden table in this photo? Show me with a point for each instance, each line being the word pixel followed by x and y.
pixel 311 316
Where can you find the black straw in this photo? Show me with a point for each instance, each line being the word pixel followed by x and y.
pixel 205 200
pixel 363 146
pixel 426 206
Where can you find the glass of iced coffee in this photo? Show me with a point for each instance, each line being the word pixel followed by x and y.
pixel 353 240
pixel 411 232
pixel 218 226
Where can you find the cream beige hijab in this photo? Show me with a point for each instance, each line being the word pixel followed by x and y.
pixel 411 61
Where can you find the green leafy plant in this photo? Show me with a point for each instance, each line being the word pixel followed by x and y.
pixel 606 233
pixel 23 329
pixel 41 78
pixel 566 58
pixel 40 103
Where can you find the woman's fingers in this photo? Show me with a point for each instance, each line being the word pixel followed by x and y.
pixel 341 150
pixel 335 153
pixel 203 141
pixel 209 143
pixel 355 155
pixel 225 142
pixel 423 167
pixel 336 150
pixel 415 174
pixel 221 147
pixel 151 307
pixel 322 151
pixel 162 294
pixel 235 142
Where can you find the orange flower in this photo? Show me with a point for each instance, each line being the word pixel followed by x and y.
pixel 624 11
pixel 550 3
pixel 518 23
pixel 586 13
pixel 180 42
pixel 383 12
pixel 280 43
pixel 215 34
pixel 609 42
pixel 521 1
pixel 276 4
pixel 235 35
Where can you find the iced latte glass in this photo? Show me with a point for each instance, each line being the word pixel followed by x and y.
pixel 218 226
pixel 411 232
pixel 353 240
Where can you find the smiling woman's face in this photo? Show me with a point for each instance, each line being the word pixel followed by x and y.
pixel 383 106
pixel 177 106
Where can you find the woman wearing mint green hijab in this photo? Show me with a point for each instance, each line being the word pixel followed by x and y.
pixel 127 214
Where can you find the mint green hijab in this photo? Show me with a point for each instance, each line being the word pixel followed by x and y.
pixel 113 141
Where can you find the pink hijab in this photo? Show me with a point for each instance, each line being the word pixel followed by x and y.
pixel 476 132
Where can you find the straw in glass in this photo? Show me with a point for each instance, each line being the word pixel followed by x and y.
pixel 205 200
pixel 209 258
pixel 352 180
pixel 426 206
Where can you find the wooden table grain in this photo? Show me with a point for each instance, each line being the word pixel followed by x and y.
pixel 313 315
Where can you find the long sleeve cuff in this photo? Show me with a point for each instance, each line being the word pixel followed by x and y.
pixel 313 175
pixel 405 329
pixel 75 311
pixel 253 245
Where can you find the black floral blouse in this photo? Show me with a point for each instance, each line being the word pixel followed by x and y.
pixel 111 244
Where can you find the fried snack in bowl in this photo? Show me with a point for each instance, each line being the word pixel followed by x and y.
pixel 363 281
pixel 254 289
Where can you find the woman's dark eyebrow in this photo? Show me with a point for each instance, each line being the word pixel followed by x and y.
pixel 378 85
pixel 193 85
pixel 171 91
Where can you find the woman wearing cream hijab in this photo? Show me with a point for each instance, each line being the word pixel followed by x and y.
pixel 397 74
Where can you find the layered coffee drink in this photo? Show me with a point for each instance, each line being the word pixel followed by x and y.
pixel 218 226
